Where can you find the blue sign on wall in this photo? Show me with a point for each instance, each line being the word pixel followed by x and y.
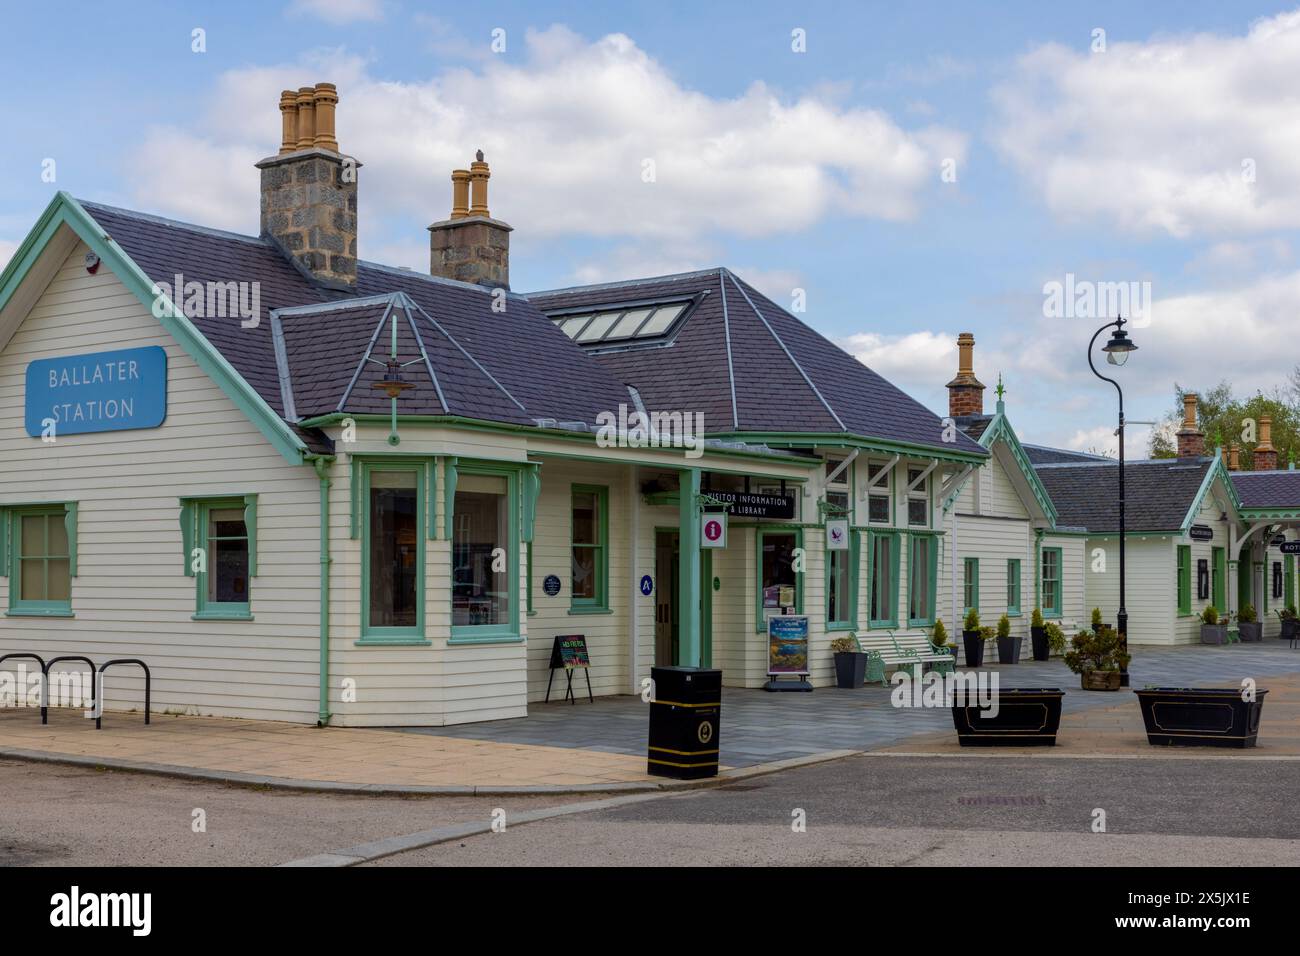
pixel 98 392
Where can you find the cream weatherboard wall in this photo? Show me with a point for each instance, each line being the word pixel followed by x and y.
pixel 1074 564
pixel 131 597
pixel 1151 596
pixel 1186 628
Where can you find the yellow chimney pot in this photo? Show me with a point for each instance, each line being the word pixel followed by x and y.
pixel 306 117
pixel 325 98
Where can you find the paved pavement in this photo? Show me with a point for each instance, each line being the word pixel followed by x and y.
pixel 758 726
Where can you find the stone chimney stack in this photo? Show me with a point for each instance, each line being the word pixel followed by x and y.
pixel 470 245
pixel 1191 440
pixel 965 393
pixel 1265 453
pixel 309 189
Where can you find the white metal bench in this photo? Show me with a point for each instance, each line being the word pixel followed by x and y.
pixel 913 651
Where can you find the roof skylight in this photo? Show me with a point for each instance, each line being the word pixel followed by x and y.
pixel 633 323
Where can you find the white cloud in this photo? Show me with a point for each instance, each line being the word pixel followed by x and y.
pixel 339 12
pixel 1153 135
pixel 7 249
pixel 920 363
pixel 566 127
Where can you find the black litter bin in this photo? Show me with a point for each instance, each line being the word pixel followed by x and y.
pixel 684 719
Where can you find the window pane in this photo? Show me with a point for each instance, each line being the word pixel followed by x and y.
pixel 32 574
pixel 394 555
pixel 574 325
pixel 839 600
pixel 628 325
pixel 919 572
pixel 227 557
pixel 839 500
pixel 882 598
pixel 917 512
pixel 58 580
pixel 226 523
pixel 480 594
pixel 584 573
pixel 33 535
pixel 599 326
pixel 778 570
pixel 57 536
pixel 661 320
pixel 878 509
pixel 585 518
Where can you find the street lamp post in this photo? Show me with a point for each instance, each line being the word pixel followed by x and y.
pixel 1117 351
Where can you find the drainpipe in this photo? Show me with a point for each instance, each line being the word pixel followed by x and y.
pixel 634 591
pixel 322 465
pixel 956 621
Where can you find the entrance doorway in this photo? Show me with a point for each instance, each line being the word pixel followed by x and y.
pixel 667 628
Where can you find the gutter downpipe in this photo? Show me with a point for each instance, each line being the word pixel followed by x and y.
pixel 322 465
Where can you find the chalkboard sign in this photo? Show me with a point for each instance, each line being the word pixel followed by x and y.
pixel 570 650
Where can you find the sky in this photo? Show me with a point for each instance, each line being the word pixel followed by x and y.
pixel 900 172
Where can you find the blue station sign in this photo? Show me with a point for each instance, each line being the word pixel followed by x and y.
pixel 97 392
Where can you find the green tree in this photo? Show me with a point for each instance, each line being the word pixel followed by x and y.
pixel 1226 419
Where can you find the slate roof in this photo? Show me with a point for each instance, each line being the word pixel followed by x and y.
pixel 974 425
pixel 1042 455
pixel 1267 489
pixel 1158 493
pixel 533 363
pixel 751 366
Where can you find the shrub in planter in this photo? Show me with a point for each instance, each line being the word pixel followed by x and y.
pixel 1248 625
pixel 850 662
pixel 1289 623
pixel 939 639
pixel 1008 646
pixel 1055 638
pixel 1096 657
pixel 1096 619
pixel 972 639
pixel 1038 635
pixel 1213 631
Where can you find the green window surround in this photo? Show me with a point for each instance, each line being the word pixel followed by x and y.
pixel 1051 582
pixel 970 585
pixel 842 585
pixel 219 541
pixel 589 540
pixel 1288 581
pixel 41 541
pixel 882 554
pixel 1184 579
pixel 923 575
pixel 484 508
pixel 1013 587
pixel 428 464
pixel 528 582
pixel 391 493
pixel 775 564
pixel 1218 578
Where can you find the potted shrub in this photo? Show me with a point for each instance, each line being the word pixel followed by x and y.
pixel 1248 625
pixel 1289 623
pixel 1201 716
pixel 1008 646
pixel 1213 631
pixel 972 639
pixel 939 640
pixel 850 662
pixel 1097 622
pixel 1096 657
pixel 1055 638
pixel 1038 636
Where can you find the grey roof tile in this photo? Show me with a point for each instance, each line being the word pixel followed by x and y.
pixel 1158 494
pixel 1267 489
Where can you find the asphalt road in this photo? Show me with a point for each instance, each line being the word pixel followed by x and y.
pixel 871 810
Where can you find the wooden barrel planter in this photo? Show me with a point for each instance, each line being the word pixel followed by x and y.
pixel 1100 680
pixel 1026 717
pixel 1200 716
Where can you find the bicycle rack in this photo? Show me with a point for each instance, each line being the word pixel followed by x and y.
pixel 39 660
pixel 148 682
pixel 70 657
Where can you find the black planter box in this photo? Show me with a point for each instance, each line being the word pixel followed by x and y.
pixel 1009 650
pixel 974 646
pixel 1200 717
pixel 1042 650
pixel 1027 717
pixel 1250 630
pixel 850 670
pixel 1288 628
pixel 1214 634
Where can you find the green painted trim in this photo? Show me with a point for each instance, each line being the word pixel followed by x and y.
pixel 199 508
pixel 1013 578
pixel 510 632
pixel 1055 611
pixel 843 439
pixel 599 603
pixel 580 610
pixel 1184 566
pixel 528 580
pixel 873 535
pixel 531 487
pixel 187 535
pixel 1288 580
pixel 14 514
pixel 689 647
pixel 853 555
pixel 1217 469
pixel 932 575
pixel 4 542
pixel 761 531
pixel 322 465
pixel 1219 578
pixel 1000 429
pixel 1261 514
pixel 222 615
pixel 64 210
pixel 450 472
pixel 431 483
pixel 387 635
pixel 397 640
pixel 970 584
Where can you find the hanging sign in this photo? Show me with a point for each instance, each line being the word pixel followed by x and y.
pixel 96 392
pixel 837 534
pixel 745 505
pixel 787 644
pixel 1201 532
pixel 713 530
pixel 1290 547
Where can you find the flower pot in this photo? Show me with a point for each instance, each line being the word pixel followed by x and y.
pixel 1251 630
pixel 1009 650
pixel 1200 717
pixel 1288 628
pixel 1099 680
pixel 1042 650
pixel 1214 634
pixel 1026 717
pixel 850 669
pixel 974 646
